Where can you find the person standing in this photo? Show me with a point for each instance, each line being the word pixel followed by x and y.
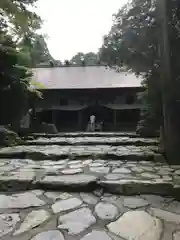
pixel 25 123
pixel 92 123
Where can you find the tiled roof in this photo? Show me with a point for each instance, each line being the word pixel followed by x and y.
pixel 83 78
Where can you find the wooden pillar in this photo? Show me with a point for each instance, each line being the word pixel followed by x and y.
pixel 114 119
pixel 53 117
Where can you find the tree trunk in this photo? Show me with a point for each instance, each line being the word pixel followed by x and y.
pixel 168 86
pixel 172 134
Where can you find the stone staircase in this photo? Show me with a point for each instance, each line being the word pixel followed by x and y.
pixel 116 162
pixel 88 186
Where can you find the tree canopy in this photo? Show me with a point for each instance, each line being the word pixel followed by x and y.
pixel 133 42
pixel 143 38
pixel 15 91
pixel 87 59
pixel 34 50
pixel 22 23
pixel 132 39
pixel 18 17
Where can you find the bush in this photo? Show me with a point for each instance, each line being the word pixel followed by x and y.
pixel 8 137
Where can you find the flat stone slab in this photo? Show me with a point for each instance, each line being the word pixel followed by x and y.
pixel 89 198
pixel 49 235
pixel 118 176
pixel 21 175
pixel 64 205
pixel 126 177
pixel 37 192
pixel 100 235
pixel 102 170
pixel 106 211
pixel 77 221
pixel 150 175
pixel 35 152
pixel 75 166
pixel 21 201
pixel 91 140
pixel 176 172
pixel 33 219
pixel 134 202
pixel 72 171
pixel 137 186
pixel 8 223
pixel 58 195
pixel 137 225
pixel 122 170
pixel 87 134
pixel 165 215
pixel 79 180
pixel 93 219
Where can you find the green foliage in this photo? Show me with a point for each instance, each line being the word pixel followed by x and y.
pixel 23 23
pixel 36 85
pixel 16 94
pixel 67 63
pixel 17 15
pixel 34 50
pixel 88 59
pixel 174 39
pixel 136 40
pixel 8 137
pixel 133 42
pixel 15 82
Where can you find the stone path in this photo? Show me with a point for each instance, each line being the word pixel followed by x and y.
pixel 55 152
pixel 42 215
pixel 87 186
pixel 87 134
pixel 123 177
pixel 112 141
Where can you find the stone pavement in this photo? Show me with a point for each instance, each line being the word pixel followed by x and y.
pixel 123 177
pixel 88 186
pixel 56 152
pixel 87 134
pixel 43 215
pixel 91 140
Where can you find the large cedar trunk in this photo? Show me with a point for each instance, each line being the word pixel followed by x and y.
pixel 172 134
pixel 169 84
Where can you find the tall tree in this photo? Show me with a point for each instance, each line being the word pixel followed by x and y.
pixel 15 90
pixel 18 17
pixel 169 19
pixel 87 59
pixel 134 41
pixel 34 50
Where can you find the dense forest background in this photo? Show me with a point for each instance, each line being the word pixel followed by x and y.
pixel 144 38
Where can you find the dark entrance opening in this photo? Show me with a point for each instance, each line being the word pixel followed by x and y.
pixel 45 116
pixel 66 120
pixel 102 114
pixel 127 119
pixel 127 115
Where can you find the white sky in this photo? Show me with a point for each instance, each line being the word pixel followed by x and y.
pixel 76 25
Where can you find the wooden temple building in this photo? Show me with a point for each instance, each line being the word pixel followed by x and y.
pixel 72 94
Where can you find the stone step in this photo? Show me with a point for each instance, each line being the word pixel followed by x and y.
pixel 87 134
pixel 83 141
pixel 125 186
pixel 55 152
pixel 126 178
